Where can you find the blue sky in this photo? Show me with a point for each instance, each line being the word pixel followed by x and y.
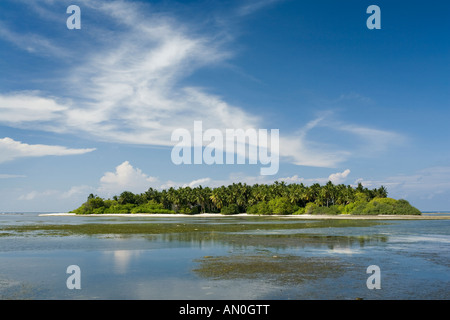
pixel 92 110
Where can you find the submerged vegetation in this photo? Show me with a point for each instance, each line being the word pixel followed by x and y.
pixel 205 230
pixel 280 268
pixel 261 199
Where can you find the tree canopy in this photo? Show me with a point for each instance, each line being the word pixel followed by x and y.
pixel 261 199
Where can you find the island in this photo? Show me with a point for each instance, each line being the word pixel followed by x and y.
pixel 277 198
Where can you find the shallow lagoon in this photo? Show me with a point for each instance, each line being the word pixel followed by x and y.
pixel 222 258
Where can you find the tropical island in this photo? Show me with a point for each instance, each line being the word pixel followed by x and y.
pixel 278 198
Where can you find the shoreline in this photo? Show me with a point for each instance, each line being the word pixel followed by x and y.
pixel 218 215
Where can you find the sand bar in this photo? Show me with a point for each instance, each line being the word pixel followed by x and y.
pixel 303 216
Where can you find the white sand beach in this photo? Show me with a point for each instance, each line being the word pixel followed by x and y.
pixel 303 216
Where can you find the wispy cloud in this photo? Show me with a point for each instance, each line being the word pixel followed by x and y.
pixel 32 42
pixel 77 191
pixel 38 194
pixel 11 176
pixel 360 140
pixel 300 149
pixel 11 149
pixel 132 89
pixel 422 184
pixel 130 92
pixel 20 108
pixel 373 140
pixel 336 178
pixel 251 6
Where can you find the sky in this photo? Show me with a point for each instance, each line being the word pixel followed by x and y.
pixel 94 109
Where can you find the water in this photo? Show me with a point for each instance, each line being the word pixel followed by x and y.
pixel 314 260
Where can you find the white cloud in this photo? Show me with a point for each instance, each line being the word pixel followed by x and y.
pixel 335 178
pixel 32 43
pixel 298 150
pixel 38 194
pixel 339 177
pixel 125 178
pixel 204 182
pixel 251 6
pixel 29 106
pixel 77 191
pixel 11 149
pixel 374 140
pixel 139 100
pixel 129 88
pixel 294 179
pixel 197 182
pixel 75 194
pixel 11 176
pixel 422 184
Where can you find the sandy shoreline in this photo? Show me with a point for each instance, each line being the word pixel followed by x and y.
pixel 303 216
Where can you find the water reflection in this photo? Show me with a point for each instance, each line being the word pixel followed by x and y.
pixel 122 259
pixel 336 243
pixel 222 259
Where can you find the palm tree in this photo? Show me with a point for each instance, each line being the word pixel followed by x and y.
pixel 264 193
pixel 312 192
pixel 164 199
pixel 207 200
pixel 381 192
pixel 243 195
pixel 330 193
pixel 218 197
pixel 294 193
pixel 202 197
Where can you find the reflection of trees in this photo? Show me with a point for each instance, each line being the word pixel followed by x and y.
pixel 234 232
pixel 277 241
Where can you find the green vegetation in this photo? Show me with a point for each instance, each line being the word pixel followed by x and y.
pixel 234 230
pixel 384 206
pixel 126 203
pixel 261 199
pixel 230 209
pixel 280 268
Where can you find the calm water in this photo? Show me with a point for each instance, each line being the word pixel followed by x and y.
pixel 328 261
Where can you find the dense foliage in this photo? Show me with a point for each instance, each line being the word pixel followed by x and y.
pixel 261 199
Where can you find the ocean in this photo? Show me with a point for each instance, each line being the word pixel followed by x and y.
pixel 224 257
